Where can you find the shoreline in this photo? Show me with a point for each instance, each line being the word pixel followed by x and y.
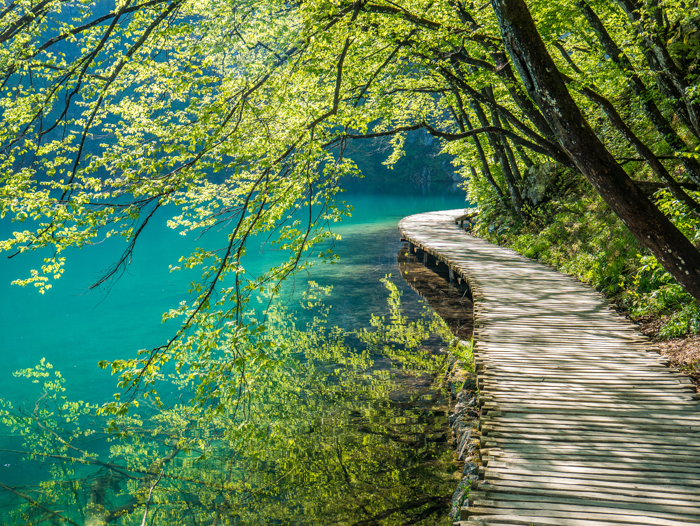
pixel 454 305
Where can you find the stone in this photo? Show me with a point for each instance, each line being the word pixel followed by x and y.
pixel 538 181
pixel 459 496
pixel 471 469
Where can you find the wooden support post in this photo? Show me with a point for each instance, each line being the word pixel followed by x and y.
pixel 452 277
pixel 411 248
pixel 425 258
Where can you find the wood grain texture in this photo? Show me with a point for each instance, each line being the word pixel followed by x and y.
pixel 583 423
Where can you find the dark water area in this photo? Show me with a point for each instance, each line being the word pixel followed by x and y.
pixel 448 295
pixel 358 435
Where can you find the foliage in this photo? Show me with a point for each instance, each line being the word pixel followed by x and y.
pixel 464 352
pixel 335 434
pixel 684 321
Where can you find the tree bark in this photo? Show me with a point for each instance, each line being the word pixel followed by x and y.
pixel 546 87
pixel 504 70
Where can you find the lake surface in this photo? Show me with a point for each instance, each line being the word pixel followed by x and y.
pixel 372 452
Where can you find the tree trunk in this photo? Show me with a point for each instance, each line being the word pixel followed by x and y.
pixel 643 150
pixel 515 169
pixel 504 70
pixel 485 170
pixel 500 154
pixel 546 86
pixel 462 121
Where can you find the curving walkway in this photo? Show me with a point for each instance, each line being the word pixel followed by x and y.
pixel 583 422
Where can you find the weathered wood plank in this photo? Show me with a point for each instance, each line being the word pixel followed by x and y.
pixel 642 494
pixel 578 480
pixel 619 475
pixel 544 509
pixel 636 506
pixel 583 422
pixel 516 517
pixel 556 464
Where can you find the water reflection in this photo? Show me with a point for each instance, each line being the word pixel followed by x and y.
pixel 449 297
pixel 336 427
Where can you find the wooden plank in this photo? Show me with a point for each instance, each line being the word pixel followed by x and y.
pixel 642 494
pixel 609 380
pixel 620 406
pixel 632 433
pixel 527 367
pixel 602 474
pixel 614 427
pixel 499 416
pixel 567 510
pixel 617 483
pixel 540 463
pixel 597 500
pixel 583 423
pixel 596 438
pixel 597 451
pixel 622 451
pixel 585 394
pixel 554 409
pixel 515 517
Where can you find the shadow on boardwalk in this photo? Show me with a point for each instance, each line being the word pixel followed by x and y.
pixel 585 424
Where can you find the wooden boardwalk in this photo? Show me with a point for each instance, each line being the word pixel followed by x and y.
pixel 583 423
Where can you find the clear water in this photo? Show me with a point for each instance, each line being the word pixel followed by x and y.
pixel 73 329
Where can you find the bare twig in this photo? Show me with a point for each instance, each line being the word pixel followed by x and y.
pixel 150 494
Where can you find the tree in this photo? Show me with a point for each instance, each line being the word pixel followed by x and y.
pixel 238 114
pixel 547 88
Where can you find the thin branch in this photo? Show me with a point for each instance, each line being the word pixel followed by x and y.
pixel 150 494
pixel 37 504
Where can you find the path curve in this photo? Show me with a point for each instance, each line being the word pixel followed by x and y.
pixel 583 423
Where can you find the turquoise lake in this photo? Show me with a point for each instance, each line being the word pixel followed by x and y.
pixel 73 328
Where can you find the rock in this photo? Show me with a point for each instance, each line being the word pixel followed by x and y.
pixel 462 397
pixel 459 496
pixel 539 180
pixel 470 384
pixel 471 469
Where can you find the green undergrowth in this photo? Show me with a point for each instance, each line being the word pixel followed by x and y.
pixel 464 352
pixel 579 235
